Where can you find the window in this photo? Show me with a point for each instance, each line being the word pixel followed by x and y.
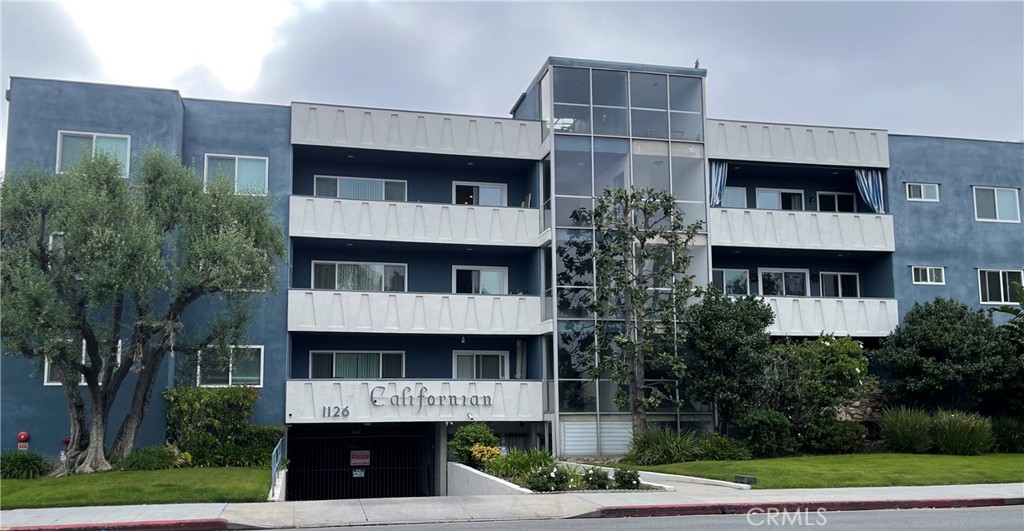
pixel 481 365
pixel 248 174
pixel 355 276
pixel 50 376
pixel 245 367
pixel 72 146
pixel 772 199
pixel 840 285
pixel 922 192
pixel 929 275
pixel 731 281
pixel 359 188
pixel 484 194
pixel 483 280
pixel 995 285
pixel 996 204
pixel 836 202
pixel 361 365
pixel 784 282
pixel 734 197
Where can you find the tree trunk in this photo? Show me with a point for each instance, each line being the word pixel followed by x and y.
pixel 125 440
pixel 94 459
pixel 78 439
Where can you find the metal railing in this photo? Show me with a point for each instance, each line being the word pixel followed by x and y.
pixel 277 460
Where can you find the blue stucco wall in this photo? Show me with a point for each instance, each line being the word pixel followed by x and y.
pixel 946 233
pixel 39 108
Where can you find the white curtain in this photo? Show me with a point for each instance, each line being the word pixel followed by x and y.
pixel 869 182
pixel 716 188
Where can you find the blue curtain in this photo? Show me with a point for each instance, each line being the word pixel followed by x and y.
pixel 869 182
pixel 717 188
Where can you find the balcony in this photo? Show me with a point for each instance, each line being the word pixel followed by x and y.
pixel 346 401
pixel 414 313
pixel 787 229
pixel 322 217
pixel 809 316
pixel 797 144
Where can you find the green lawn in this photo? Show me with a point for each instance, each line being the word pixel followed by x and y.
pixel 183 485
pixel 859 470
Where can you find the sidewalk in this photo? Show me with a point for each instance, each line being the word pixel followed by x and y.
pixel 687 499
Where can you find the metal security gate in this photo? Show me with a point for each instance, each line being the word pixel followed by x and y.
pixel 329 462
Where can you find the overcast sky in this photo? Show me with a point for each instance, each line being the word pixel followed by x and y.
pixel 940 69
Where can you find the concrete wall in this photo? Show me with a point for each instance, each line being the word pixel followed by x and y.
pixel 467 481
pixel 945 233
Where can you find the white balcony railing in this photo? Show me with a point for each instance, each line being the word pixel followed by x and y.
pixel 797 144
pixel 320 217
pixel 414 313
pixel 809 316
pixel 786 229
pixel 343 401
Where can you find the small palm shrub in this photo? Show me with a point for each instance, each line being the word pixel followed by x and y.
pixel 1009 434
pixel 766 433
pixel 460 447
pixel 627 479
pixel 906 430
pixel 548 480
pixel 959 433
pixel 23 465
pixel 596 479
pixel 518 465
pixel 661 446
pixel 156 457
pixel 830 436
pixel 721 448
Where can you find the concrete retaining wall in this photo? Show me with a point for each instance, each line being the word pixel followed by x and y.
pixel 467 481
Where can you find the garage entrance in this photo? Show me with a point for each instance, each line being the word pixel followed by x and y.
pixel 339 461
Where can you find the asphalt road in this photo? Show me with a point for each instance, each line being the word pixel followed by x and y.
pixel 983 519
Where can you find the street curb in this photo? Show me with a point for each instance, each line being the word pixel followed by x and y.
pixel 211 524
pixel 795 506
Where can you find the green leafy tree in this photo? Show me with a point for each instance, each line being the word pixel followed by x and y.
pixel 728 349
pixel 89 257
pixel 946 355
pixel 1015 326
pixel 641 258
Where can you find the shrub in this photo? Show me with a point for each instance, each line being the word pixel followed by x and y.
pixel 23 465
pixel 518 465
pixel 596 479
pixel 627 478
pixel 484 454
pixel 721 448
pixel 658 446
pixel 212 424
pixel 959 433
pixel 460 447
pixel 156 457
pixel 1009 434
pixel 766 433
pixel 905 429
pixel 828 435
pixel 548 480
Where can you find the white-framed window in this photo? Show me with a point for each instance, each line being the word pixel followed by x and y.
pixel 360 276
pixel 734 197
pixel 923 192
pixel 244 368
pixel 843 285
pixel 486 280
pixel 996 204
pixel 73 145
pixel 480 364
pixel 356 364
pixel 731 281
pixel 837 202
pixel 360 188
pixel 50 376
pixel 780 199
pixel 483 194
pixel 784 282
pixel 928 275
pixel 248 174
pixel 994 285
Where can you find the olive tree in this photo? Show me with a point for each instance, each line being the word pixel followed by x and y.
pixel 99 272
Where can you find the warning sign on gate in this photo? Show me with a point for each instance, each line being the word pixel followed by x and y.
pixel 359 458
